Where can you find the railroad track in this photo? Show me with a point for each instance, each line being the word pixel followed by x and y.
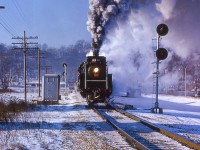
pixel 140 133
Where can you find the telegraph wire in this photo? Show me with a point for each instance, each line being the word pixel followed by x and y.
pixel 4 26
pixel 7 29
pixel 4 23
pixel 17 6
pixel 7 25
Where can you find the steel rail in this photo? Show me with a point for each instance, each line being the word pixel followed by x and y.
pixel 176 137
pixel 133 142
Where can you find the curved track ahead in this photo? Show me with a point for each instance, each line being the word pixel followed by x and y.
pixel 140 133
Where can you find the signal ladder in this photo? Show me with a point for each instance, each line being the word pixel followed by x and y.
pixel 155 106
pixel 154 48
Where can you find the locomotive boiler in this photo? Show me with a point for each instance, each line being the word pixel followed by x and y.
pixel 94 82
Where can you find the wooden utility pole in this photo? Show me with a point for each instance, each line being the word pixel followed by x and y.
pixel 46 68
pixel 25 48
pixel 39 66
pixel 38 72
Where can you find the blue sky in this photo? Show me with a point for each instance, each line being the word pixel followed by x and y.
pixel 56 22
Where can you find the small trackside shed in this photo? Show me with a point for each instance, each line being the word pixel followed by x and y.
pixel 51 87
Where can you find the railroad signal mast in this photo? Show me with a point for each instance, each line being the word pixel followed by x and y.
pixel 65 74
pixel 161 54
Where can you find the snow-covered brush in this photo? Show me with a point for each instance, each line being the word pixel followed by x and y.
pixel 9 109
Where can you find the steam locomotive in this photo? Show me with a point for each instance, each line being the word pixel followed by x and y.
pixel 94 82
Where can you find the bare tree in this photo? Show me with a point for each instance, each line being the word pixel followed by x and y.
pixel 10 66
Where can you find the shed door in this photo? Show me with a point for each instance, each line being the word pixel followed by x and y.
pixel 51 88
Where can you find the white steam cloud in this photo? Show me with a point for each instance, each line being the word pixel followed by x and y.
pixel 184 28
pixel 166 7
pixel 128 29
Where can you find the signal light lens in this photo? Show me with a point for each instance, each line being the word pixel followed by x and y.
pixel 161 53
pixel 162 29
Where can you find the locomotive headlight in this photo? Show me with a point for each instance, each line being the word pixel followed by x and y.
pixel 96 70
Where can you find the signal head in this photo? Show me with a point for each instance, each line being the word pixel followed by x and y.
pixel 64 64
pixel 162 29
pixel 161 53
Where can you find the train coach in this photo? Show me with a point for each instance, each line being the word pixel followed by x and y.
pixel 94 82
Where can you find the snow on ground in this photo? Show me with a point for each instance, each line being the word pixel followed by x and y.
pixel 181 115
pixel 69 125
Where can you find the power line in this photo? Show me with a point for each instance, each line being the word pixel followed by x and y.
pixel 17 6
pixel 7 25
pixel 7 29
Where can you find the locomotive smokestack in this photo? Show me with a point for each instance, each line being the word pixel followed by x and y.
pixel 96 47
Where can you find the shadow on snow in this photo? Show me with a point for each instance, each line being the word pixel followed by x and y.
pixel 60 108
pixel 76 126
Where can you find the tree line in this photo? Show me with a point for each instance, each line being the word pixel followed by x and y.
pixel 11 62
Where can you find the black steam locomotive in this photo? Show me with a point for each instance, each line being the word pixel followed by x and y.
pixel 94 82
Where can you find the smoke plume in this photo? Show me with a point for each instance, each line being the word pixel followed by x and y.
pixel 102 13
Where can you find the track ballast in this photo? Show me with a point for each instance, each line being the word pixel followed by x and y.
pixel 139 133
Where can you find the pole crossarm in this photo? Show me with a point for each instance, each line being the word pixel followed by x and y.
pixel 18 38
pixel 30 37
pixel 39 57
pixel 26 43
pixel 28 48
pixel 44 67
